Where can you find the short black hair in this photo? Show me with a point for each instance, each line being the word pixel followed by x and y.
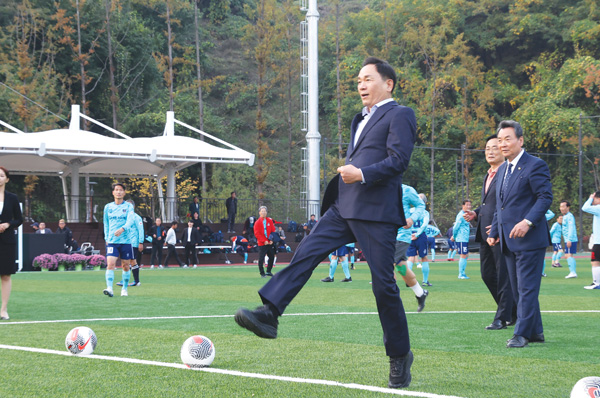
pixel 466 201
pixel 174 223
pixel 567 202
pixel 491 137
pixel 117 184
pixel 597 194
pixel 511 123
pixel 384 69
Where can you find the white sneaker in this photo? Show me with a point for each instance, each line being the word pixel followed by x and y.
pixel 195 265
pixel 160 266
pixel 124 293
pixel 592 286
pixel 245 262
pixel 419 265
pixel 185 266
pixel 152 267
pixel 571 275
pixel 108 291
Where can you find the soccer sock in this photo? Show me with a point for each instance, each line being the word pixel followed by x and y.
pixel 126 277
pixel 110 277
pixel 135 270
pixel 449 254
pixel 544 266
pixel 332 268
pixel 245 257
pixel 462 266
pixel 352 259
pixel 454 253
pixel 425 270
pixel 554 255
pixel 345 267
pixel 572 265
pixel 409 264
pixel 560 254
pixel 433 254
pixel 417 289
pixel 596 275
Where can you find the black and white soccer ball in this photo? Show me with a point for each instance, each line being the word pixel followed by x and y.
pixel 198 352
pixel 81 341
pixel 588 387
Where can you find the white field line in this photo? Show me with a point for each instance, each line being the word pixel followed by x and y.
pixel 352 386
pixel 298 314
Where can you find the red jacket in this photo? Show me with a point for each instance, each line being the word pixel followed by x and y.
pixel 259 230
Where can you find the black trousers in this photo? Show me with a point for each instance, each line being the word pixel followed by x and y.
pixel 230 221
pixel 171 251
pixel 156 253
pixel 191 256
pixel 495 276
pixel 266 250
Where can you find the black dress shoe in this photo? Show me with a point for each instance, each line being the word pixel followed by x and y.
pixel 537 338
pixel 400 371
pixel 421 300
pixel 517 342
pixel 261 321
pixel 496 325
pixel 269 274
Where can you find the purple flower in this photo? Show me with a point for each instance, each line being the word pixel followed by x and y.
pixel 47 261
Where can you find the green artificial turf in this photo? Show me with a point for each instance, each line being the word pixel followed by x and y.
pixel 341 339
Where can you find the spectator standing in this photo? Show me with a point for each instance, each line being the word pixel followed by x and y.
pixel 197 222
pixel 171 241
pixel 10 219
pixel 248 231
pixel 70 243
pixel 195 206
pixel 43 230
pixel 231 205
pixel 190 238
pixel 157 232
pixel 569 230
pixel 263 228
pixel 592 206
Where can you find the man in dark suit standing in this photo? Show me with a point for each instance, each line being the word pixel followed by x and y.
pixel 523 195
pixel 158 241
pixel 363 204
pixel 190 238
pixel 493 265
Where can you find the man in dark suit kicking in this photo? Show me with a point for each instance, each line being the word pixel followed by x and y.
pixel 363 204
pixel 493 265
pixel 523 195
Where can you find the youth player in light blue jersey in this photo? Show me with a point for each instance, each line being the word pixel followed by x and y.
pixel 569 230
pixel 418 245
pixel 342 253
pixel 555 238
pixel 431 231
pixel 118 219
pixel 137 238
pixel 415 207
pixel 461 232
pixel 549 215
pixel 592 206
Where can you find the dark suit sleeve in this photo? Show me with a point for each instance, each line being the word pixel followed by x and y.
pixel 400 143
pixel 17 216
pixel 539 180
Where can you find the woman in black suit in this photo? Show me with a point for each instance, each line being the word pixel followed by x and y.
pixel 10 218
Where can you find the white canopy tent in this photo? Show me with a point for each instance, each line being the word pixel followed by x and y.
pixel 74 152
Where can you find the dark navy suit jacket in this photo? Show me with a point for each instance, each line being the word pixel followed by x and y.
pixel 382 153
pixel 528 195
pixel 11 213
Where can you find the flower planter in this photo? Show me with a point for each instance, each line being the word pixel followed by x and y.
pixel 45 269
pixel 78 267
pixel 61 267
pixel 97 268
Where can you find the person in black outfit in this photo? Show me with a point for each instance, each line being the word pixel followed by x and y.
pixel 231 205
pixel 190 238
pixel 493 265
pixel 195 206
pixel 248 231
pixel 10 219
pixel 197 222
pixel 157 232
pixel 70 243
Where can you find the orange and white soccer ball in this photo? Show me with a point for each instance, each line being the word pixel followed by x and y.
pixel 198 352
pixel 81 341
pixel 588 387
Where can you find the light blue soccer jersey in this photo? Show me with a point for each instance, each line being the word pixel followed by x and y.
pixel 595 210
pixel 549 215
pixel 462 228
pixel 555 233
pixel 414 208
pixel 568 228
pixel 431 231
pixel 136 232
pixel 115 217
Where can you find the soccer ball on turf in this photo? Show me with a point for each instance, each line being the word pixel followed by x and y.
pixel 81 341
pixel 588 387
pixel 197 352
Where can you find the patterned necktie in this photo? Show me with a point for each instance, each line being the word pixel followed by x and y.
pixel 505 182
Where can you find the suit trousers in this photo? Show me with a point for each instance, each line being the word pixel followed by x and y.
pixel 171 251
pixel 191 256
pixel 156 253
pixel 230 221
pixel 377 240
pixel 525 273
pixel 495 276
